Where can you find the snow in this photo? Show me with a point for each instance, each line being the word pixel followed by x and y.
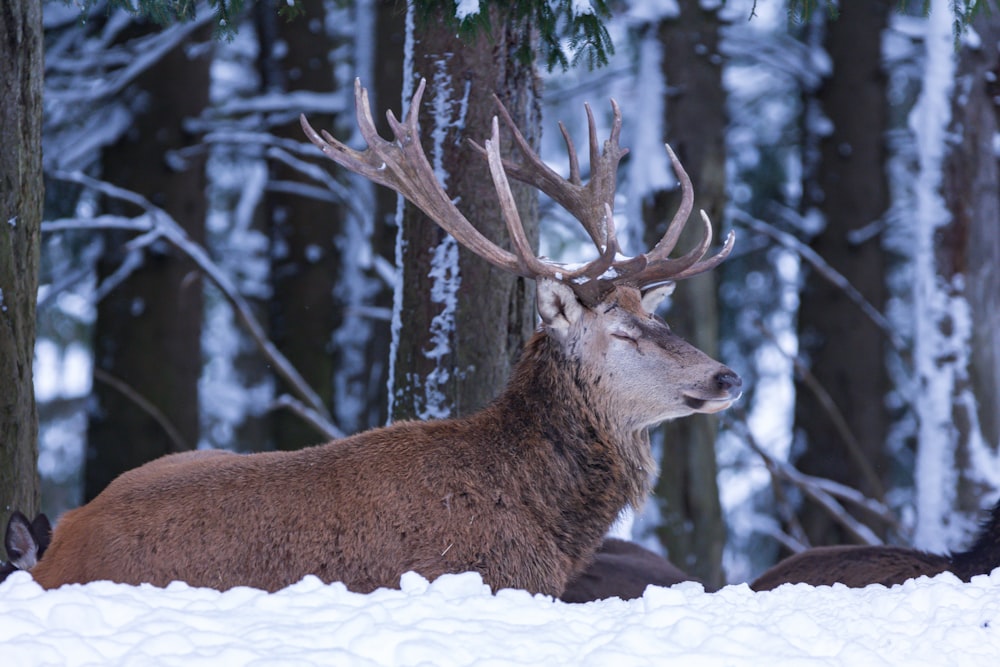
pixel 934 302
pixel 455 620
pixel 466 8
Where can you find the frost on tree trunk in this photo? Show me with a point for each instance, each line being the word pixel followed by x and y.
pixel 692 529
pixel 147 348
pixel 958 287
pixel 21 199
pixel 460 323
pixel 970 179
pixel 845 351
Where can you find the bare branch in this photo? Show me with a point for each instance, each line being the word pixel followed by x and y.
pixel 156 224
pixel 129 392
pixel 840 424
pixel 823 491
pixel 323 426
pixel 828 272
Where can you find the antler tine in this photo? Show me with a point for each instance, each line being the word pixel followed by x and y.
pixel 583 202
pixel 508 208
pixel 538 174
pixel 688 265
pixel 711 262
pixel 402 166
pixel 669 241
pixel 574 161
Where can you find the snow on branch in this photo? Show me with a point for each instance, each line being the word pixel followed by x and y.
pixel 829 273
pixel 142 54
pixel 156 224
pixel 826 493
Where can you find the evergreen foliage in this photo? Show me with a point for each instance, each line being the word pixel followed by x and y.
pixel 568 33
pixel 571 32
pixel 166 12
pixel 964 11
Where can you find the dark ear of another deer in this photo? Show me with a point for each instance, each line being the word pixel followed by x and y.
pixel 22 548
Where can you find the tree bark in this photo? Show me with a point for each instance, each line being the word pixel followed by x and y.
pixel 844 350
pixel 148 331
pixel 305 260
pixel 693 530
pixel 462 322
pixel 21 198
pixel 968 249
pixel 390 36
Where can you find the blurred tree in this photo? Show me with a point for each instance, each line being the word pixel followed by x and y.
pixel 843 350
pixel 386 93
pixel 966 250
pixel 692 530
pixel 147 358
pixel 295 56
pixel 463 322
pixel 21 198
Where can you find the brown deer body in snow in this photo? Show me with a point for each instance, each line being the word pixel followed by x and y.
pixel 522 491
pixel 857 566
pixel 622 569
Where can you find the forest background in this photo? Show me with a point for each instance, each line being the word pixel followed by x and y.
pixel 204 278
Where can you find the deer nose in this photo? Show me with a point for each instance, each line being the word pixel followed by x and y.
pixel 729 381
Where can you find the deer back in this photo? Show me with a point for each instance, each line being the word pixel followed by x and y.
pixel 623 570
pixel 859 566
pixel 854 566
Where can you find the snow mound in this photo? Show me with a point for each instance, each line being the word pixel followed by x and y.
pixel 455 620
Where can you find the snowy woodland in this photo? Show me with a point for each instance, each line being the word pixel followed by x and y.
pixel 208 280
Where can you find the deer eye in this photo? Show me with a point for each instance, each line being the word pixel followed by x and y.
pixel 626 336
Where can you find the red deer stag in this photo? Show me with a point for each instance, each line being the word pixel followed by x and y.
pixel 623 570
pixel 858 566
pixel 26 542
pixel 522 491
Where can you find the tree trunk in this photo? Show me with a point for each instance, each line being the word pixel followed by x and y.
pixel 148 330
pixel 844 350
pixel 693 531
pixel 966 254
pixel 461 322
pixel 390 35
pixel 305 260
pixel 21 197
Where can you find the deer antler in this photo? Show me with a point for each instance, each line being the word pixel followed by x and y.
pixel 402 166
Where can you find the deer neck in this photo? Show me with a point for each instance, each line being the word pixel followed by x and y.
pixel 563 413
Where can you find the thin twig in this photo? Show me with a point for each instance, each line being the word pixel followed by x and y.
pixel 854 449
pixel 156 224
pixel 129 392
pixel 826 271
pixel 323 425
pixel 823 491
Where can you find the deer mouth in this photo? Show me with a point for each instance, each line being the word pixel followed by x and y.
pixel 709 405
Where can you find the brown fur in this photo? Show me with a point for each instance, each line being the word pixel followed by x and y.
pixel 622 569
pixel 859 566
pixel 521 492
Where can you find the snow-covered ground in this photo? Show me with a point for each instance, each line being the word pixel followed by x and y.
pixel 457 621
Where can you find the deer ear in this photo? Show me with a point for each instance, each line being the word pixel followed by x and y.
pixel 652 298
pixel 557 304
pixel 21 546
